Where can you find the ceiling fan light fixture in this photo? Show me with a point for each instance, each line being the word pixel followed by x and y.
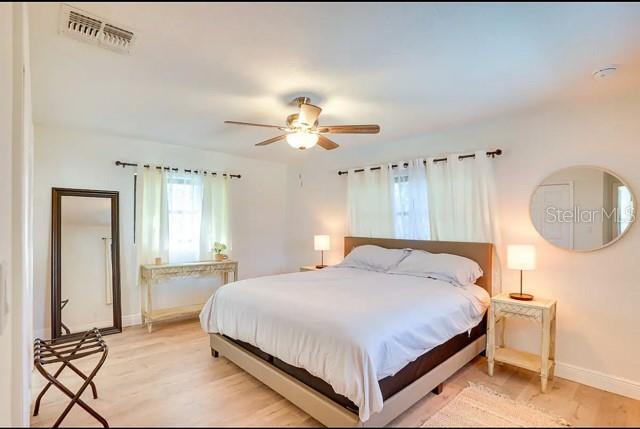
pixel 308 115
pixel 303 131
pixel 302 140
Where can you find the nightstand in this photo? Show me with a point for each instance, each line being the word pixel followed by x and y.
pixel 541 311
pixel 309 268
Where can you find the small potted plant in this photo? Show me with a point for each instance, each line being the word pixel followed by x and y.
pixel 218 248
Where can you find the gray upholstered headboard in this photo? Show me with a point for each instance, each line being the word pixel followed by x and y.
pixel 482 253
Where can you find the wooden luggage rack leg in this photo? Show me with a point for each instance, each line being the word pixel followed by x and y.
pixel 61 351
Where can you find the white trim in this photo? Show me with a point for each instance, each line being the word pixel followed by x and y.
pixel 132 320
pixel 127 320
pixel 599 380
pixel 22 219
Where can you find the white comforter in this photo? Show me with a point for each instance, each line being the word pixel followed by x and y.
pixel 347 326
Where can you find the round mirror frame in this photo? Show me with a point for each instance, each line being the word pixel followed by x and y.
pixel 604 170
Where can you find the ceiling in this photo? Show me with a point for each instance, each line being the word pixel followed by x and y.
pixel 412 68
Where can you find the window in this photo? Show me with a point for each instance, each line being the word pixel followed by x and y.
pixel 184 201
pixel 181 215
pixel 402 205
pixel 410 207
pixel 624 209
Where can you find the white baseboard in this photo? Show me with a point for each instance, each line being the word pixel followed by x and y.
pixel 127 320
pixel 599 380
pixel 132 320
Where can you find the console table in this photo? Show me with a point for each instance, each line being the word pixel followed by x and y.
pixel 152 274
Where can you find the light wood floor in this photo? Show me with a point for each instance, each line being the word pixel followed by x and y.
pixel 168 378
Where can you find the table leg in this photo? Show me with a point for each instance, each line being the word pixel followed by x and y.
pixel 546 348
pixel 148 319
pixel 143 301
pixel 552 347
pixel 491 340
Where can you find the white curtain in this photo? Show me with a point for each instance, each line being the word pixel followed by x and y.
pixel 369 206
pixel 453 200
pixel 180 215
pixel 216 214
pixel 108 282
pixel 462 203
pixel 152 216
pixel 462 199
pixel 410 200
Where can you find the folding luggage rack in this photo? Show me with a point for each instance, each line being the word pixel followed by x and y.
pixel 66 350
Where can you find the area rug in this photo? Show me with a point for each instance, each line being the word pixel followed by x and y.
pixel 479 406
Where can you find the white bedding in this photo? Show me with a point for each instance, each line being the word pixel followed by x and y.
pixel 347 326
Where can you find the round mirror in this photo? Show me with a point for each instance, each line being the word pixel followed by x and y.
pixel 582 208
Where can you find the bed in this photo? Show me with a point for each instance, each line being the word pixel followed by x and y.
pixel 353 347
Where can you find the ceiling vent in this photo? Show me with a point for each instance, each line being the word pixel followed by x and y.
pixel 89 28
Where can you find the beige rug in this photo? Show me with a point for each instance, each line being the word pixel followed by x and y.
pixel 479 406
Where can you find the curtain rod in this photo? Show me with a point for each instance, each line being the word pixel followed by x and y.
pixel 492 154
pixel 130 164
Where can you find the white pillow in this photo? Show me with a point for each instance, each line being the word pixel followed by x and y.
pixel 457 270
pixel 373 258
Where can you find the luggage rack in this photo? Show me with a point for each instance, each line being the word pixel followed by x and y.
pixel 66 350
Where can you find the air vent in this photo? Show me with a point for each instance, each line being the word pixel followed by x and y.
pixel 86 27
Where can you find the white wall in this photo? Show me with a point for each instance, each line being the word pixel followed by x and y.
pixel 83 277
pixel 598 293
pixel 79 159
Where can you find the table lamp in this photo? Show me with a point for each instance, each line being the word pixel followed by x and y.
pixel 321 243
pixel 521 257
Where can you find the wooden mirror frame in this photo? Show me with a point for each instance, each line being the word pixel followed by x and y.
pixel 56 258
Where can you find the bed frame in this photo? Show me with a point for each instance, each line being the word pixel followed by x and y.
pixel 332 414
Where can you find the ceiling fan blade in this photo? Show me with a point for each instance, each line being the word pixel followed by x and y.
pixel 325 143
pixel 255 125
pixel 349 129
pixel 272 140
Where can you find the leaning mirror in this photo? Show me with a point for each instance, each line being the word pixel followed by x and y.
pixel 85 262
pixel 582 208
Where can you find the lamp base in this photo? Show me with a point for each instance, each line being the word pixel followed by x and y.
pixel 320 266
pixel 521 296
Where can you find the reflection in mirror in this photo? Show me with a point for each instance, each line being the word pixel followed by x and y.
pixel 86 273
pixel 582 208
pixel 86 264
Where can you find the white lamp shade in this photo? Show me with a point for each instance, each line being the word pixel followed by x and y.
pixel 521 257
pixel 321 242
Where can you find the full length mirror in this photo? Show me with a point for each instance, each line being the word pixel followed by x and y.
pixel 85 271
pixel 582 208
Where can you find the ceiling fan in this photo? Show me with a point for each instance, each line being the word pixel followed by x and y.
pixel 302 130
